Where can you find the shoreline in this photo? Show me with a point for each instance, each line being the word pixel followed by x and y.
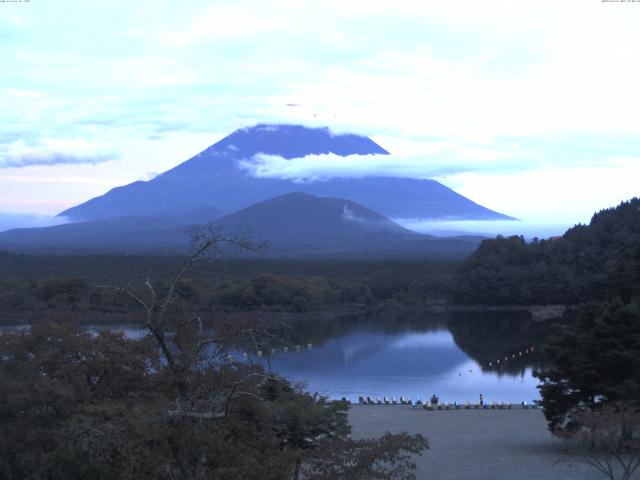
pixel 539 313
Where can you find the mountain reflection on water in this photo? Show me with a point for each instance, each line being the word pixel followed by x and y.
pixel 419 357
pixel 409 353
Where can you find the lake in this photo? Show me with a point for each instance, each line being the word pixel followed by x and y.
pixel 456 359
pixel 413 363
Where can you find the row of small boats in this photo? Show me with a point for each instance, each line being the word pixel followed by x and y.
pixel 367 400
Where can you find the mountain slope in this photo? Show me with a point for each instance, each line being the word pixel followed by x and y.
pixel 292 225
pixel 110 235
pixel 297 222
pixel 215 178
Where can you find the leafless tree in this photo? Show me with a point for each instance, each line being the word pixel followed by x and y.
pixel 160 307
pixel 608 439
pixel 207 243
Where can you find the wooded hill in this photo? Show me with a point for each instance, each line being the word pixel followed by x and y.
pixel 588 262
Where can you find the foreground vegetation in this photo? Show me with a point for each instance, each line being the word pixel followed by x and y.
pixel 172 405
pixel 77 406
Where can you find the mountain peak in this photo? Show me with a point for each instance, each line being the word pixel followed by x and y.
pixel 293 141
pixel 304 207
pixel 215 178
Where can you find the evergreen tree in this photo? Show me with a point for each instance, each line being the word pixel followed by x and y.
pixel 595 362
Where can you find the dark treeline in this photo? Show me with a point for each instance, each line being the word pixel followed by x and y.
pixel 35 286
pixel 589 262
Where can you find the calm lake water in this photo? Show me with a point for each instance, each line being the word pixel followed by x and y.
pixel 414 359
pixel 412 363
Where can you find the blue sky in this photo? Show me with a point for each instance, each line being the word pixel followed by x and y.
pixel 529 108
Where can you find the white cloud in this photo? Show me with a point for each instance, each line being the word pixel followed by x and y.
pixel 58 179
pixel 52 151
pixel 527 228
pixel 225 23
pixel 447 87
pixel 563 195
pixel 49 189
pixel 418 93
pixel 147 176
pixel 417 159
pixel 19 93
pixel 152 71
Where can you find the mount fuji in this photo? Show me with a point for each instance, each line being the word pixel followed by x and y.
pixel 217 178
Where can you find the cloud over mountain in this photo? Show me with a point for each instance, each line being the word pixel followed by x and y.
pixel 426 159
pixel 218 177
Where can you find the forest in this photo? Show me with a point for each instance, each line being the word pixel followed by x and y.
pixel 588 262
pixel 34 288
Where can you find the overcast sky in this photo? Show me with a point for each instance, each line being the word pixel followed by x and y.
pixel 529 108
